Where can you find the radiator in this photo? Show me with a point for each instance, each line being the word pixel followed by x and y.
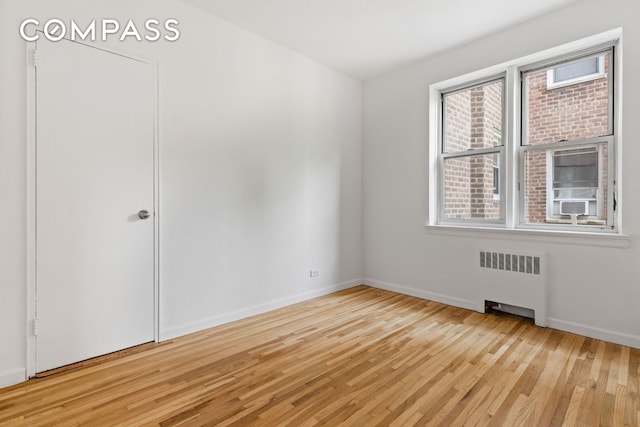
pixel 517 279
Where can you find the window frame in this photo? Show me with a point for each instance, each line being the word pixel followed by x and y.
pixel 511 158
pixel 443 156
pixel 609 139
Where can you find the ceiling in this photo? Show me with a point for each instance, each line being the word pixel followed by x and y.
pixel 366 38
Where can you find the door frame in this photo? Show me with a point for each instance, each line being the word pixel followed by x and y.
pixel 31 152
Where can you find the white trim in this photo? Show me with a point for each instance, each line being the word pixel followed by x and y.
pixel 510 160
pixel 12 377
pixel 211 322
pixel 578 238
pixel 31 102
pixel 434 158
pixel 30 339
pixel 616 151
pixel 431 296
pixel 594 332
pixel 156 204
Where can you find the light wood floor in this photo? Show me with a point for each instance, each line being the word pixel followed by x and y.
pixel 360 357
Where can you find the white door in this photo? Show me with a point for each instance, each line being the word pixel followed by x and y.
pixel 94 173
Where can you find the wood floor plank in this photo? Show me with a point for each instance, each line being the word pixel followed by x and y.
pixel 359 357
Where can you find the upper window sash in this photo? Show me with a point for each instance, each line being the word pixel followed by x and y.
pixel 449 96
pixel 539 73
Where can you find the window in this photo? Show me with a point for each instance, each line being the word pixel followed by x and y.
pixel 552 167
pixel 575 72
pixel 470 152
pixel 567 135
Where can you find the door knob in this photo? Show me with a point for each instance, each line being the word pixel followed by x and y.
pixel 143 214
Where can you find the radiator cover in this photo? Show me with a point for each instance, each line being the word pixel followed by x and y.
pixel 514 278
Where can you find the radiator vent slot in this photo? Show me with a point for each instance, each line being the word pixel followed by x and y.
pixel 528 264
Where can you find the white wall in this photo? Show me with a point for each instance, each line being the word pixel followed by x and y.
pixel 260 170
pixel 592 290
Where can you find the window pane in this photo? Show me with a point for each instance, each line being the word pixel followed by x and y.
pixel 575 111
pixel 575 70
pixel 561 181
pixel 473 118
pixel 469 188
pixel 575 168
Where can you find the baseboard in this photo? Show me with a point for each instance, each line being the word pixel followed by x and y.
pixel 593 332
pixel 12 377
pixel 419 293
pixel 562 325
pixel 252 311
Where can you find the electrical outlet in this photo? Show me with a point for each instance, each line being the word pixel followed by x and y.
pixel 314 273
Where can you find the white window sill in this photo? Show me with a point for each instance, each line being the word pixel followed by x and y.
pixel 608 240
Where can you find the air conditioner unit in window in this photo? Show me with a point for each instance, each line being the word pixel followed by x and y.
pixel 574 207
